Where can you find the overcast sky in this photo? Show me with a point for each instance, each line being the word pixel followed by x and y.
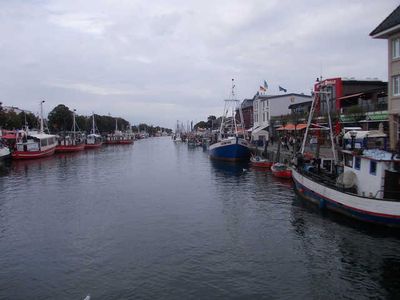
pixel 160 61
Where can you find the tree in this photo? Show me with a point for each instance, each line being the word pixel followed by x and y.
pixel 211 122
pixel 201 124
pixel 60 118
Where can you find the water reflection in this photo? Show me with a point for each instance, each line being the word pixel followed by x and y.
pixel 358 258
pixel 229 168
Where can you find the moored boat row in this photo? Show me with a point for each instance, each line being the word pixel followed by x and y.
pixel 34 144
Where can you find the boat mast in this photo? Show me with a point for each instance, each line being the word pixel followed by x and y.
pixel 41 117
pixel 116 125
pixel 233 107
pixel 93 129
pixel 74 124
pixel 328 105
pixel 315 100
pixel 310 116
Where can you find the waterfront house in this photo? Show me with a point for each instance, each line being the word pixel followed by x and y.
pixel 266 107
pixel 390 29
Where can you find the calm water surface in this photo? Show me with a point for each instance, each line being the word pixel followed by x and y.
pixel 157 220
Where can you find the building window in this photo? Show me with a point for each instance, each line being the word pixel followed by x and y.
pixel 357 163
pixel 396 85
pixel 396 48
pixel 372 167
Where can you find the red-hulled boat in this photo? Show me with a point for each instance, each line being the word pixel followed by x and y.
pixel 281 171
pixel 31 145
pixel 93 141
pixel 72 142
pixel 119 137
pixel 259 162
pixel 70 148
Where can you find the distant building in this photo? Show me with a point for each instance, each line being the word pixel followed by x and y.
pixel 267 106
pixel 338 88
pixel 247 111
pixel 300 108
pixel 390 29
pixel 14 109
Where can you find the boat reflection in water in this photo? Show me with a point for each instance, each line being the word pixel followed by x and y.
pixel 359 260
pixel 230 168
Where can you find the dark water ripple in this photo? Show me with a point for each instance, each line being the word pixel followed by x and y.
pixel 160 221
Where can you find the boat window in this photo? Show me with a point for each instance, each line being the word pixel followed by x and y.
pixel 43 142
pixel 357 163
pixel 327 165
pixel 372 167
pixel 348 160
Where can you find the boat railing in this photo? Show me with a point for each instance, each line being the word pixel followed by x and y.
pixel 326 179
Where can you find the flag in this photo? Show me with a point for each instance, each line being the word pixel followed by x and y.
pixel 262 89
pixel 281 89
pixel 265 84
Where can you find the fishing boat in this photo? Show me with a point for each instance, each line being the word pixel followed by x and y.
pixel 281 171
pixel 260 162
pixel 93 140
pixel 34 144
pixel 231 144
pixel 177 136
pixel 118 137
pixel 363 184
pixel 71 142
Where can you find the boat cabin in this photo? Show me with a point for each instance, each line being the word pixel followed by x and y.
pixel 373 173
pixel 35 142
pixel 372 139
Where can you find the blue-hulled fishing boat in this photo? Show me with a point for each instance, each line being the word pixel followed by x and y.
pixel 231 144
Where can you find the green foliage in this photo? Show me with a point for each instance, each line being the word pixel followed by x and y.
pixel 60 119
pixel 201 124
pixel 11 120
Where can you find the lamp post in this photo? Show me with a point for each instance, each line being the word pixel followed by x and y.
pixel 41 116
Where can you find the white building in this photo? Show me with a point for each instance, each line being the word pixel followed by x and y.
pixel 267 106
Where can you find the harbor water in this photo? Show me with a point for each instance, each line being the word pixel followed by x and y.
pixel 159 220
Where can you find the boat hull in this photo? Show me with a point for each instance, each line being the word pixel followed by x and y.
pixel 119 142
pixel 230 150
pixel 377 211
pixel 93 146
pixel 71 148
pixel 5 153
pixel 33 154
pixel 261 163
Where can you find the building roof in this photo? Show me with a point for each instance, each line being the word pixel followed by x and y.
pixel 265 97
pixel 392 22
pixel 299 104
pixel 247 103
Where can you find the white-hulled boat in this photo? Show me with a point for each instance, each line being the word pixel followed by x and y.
pixel 34 144
pixel 4 150
pixel 365 186
pixel 231 144
pixel 93 140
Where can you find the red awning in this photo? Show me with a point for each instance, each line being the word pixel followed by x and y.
pixel 350 96
pixel 291 127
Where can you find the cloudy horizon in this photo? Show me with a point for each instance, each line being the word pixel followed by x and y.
pixel 155 62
